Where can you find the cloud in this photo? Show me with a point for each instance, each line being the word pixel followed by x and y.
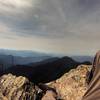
pixel 60 21
pixel 14 5
pixel 51 18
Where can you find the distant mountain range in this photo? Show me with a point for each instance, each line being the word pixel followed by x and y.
pixel 22 53
pixel 44 71
pixel 83 58
pixel 10 58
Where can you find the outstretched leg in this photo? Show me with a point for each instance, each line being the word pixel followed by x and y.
pixel 93 92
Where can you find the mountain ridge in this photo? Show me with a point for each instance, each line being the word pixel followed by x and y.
pixel 46 71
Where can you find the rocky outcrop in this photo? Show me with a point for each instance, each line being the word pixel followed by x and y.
pixel 72 85
pixel 16 88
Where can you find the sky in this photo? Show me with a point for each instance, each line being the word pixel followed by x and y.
pixel 52 26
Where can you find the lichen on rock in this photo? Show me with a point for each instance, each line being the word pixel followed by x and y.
pixel 16 88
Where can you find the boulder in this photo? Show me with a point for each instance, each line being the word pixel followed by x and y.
pixel 72 85
pixel 16 88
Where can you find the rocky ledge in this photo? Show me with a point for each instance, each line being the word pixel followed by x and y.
pixel 16 88
pixel 71 86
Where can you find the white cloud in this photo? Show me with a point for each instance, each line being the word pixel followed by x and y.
pixel 15 3
pixel 16 6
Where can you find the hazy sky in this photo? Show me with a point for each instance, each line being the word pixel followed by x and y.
pixel 58 26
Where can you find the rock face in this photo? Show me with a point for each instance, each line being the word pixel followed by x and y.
pixel 72 85
pixel 49 96
pixel 16 88
pixel 19 88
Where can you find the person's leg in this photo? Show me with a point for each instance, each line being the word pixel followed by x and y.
pixel 93 92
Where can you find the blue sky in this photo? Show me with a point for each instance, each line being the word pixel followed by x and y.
pixel 58 26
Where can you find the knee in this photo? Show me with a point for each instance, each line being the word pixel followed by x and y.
pixel 98 53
